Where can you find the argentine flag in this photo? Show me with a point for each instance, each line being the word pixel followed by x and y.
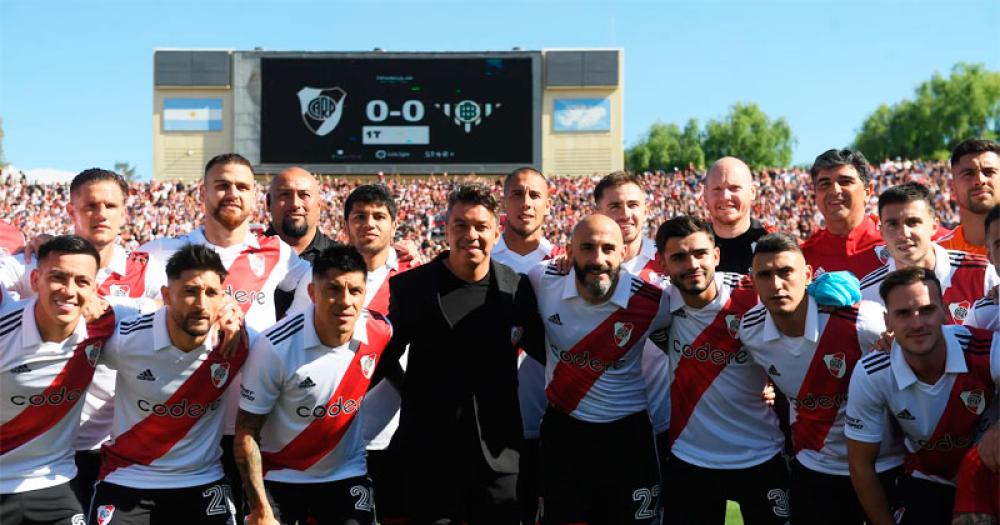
pixel 192 114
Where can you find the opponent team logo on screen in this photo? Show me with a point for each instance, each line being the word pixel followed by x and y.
pixel 321 108
pixel 467 113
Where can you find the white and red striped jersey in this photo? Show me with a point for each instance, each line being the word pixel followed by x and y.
pixel 719 418
pixel 257 267
pixel 530 373
pixel 964 278
pixel 984 314
pixel 40 405
pixel 312 395
pixel 168 407
pixel 382 402
pixel 593 366
pixel 940 421
pixel 124 281
pixel 655 364
pixel 814 372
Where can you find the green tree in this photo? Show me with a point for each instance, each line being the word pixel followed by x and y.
pixel 943 112
pixel 126 170
pixel 749 134
pixel 667 146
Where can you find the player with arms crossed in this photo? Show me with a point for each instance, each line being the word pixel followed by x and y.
pixel 299 445
pixel 938 382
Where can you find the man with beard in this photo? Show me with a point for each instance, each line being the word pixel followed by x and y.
pixel 162 464
pixel 293 201
pixel 597 321
pixel 463 317
pixel 729 194
pixel 522 246
pixel 975 187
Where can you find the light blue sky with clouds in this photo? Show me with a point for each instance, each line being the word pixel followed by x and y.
pixel 76 77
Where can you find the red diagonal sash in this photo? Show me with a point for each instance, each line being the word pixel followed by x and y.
pixel 68 387
pixel 824 388
pixel 965 289
pixel 956 430
pixel 694 376
pixel 250 270
pixel 155 435
pixel 574 376
pixel 651 272
pixel 134 280
pixel 380 301
pixel 322 435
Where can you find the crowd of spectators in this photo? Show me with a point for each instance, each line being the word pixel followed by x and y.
pixel 156 209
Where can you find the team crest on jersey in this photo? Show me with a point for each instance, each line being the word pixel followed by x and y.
pixel 93 352
pixel 733 324
pixel 104 514
pixel 515 334
pixel 959 311
pixel 882 252
pixel 220 372
pixel 368 365
pixel 836 364
pixel 256 264
pixel 974 400
pixel 622 333
pixel 119 290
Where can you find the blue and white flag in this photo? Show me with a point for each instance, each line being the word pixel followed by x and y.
pixel 192 114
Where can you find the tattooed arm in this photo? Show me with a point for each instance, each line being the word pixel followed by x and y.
pixel 247 454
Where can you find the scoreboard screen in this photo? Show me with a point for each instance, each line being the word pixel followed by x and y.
pixel 397 110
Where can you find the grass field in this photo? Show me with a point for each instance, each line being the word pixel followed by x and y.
pixel 733 514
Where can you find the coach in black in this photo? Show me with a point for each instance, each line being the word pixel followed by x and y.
pixel 464 317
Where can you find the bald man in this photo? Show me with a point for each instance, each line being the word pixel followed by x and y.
pixel 597 319
pixel 729 193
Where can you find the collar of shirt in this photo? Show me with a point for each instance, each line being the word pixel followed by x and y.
pixel 721 296
pixel 619 297
pixel 197 236
pixel 771 332
pixel 942 264
pixel 647 252
pixel 32 338
pixel 392 262
pixel 161 336
pixel 543 245
pixel 312 337
pixel 954 362
pixel 119 260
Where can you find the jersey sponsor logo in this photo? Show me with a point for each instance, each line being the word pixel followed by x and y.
pixel 772 371
pixel 55 398
pixel 959 311
pixel 733 324
pixel 246 296
pixel 905 414
pixel 622 333
pixel 974 400
pixel 947 443
pixel 146 375
pixel 583 360
pixel 855 423
pixel 813 402
pixel 104 514
pixel 338 407
pixel 706 353
pixel 119 290
pixel 178 410
pixel 23 369
pixel 305 383
pixel 836 364
pixel 882 252
pixel 367 363
pixel 93 353
pixel 554 319
pixel 515 334
pixel 248 394
pixel 219 374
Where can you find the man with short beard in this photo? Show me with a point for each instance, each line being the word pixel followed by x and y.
pixel 975 187
pixel 162 464
pixel 729 194
pixel 597 320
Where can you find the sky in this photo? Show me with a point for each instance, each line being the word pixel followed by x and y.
pixel 76 77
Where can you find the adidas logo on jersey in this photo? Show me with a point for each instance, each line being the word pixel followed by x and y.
pixel 146 375
pixel 307 383
pixel 20 369
pixel 554 319
pixel 772 371
pixel 905 414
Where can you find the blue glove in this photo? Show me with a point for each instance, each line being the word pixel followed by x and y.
pixel 836 289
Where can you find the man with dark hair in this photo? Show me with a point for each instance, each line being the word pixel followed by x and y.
pixel 162 464
pixel 598 319
pixel 522 246
pixel 49 352
pixel 985 313
pixel 300 450
pixel 975 187
pixel 729 192
pixel 463 317
pixel 809 352
pixel 908 223
pixel 724 439
pixel 938 383
pixel 847 242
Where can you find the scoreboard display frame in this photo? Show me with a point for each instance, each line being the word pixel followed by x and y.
pixel 362 113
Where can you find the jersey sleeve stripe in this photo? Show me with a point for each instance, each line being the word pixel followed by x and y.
pixel 284 326
pixel 15 313
pixel 10 328
pixel 297 328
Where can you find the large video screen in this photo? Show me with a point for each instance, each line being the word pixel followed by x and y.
pixel 411 110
